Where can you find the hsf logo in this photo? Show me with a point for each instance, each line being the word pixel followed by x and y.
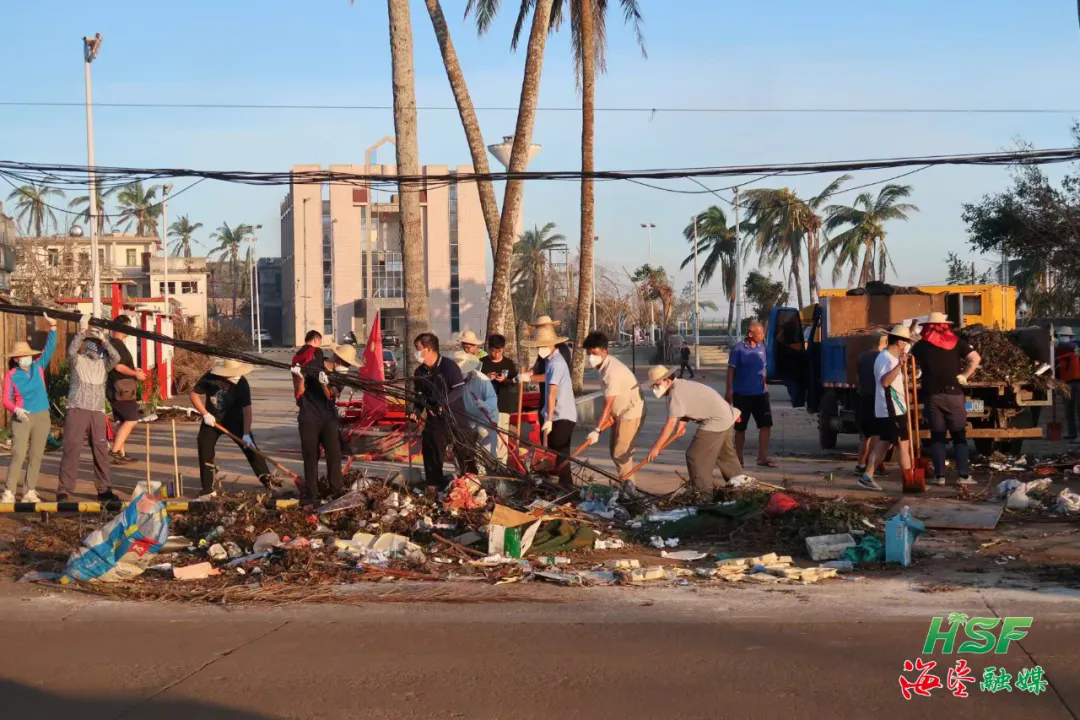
pixel 959 634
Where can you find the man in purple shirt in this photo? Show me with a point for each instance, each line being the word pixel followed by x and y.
pixel 746 391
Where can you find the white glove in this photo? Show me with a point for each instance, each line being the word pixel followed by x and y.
pixel 523 378
pixel 961 379
pixel 84 323
pixel 21 414
pixel 209 420
pixel 341 412
pixel 52 323
pixel 546 427
pixel 297 371
pixel 248 440
pixel 594 437
pixel 323 379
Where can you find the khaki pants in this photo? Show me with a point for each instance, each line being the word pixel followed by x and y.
pixel 27 444
pixel 708 450
pixel 502 448
pixel 84 426
pixel 623 434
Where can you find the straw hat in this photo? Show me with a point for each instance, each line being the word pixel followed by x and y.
pixel 936 318
pixel 1063 330
pixel 544 320
pixel 469 338
pixel 545 337
pixel 468 363
pixel 231 368
pixel 346 353
pixel 22 349
pixel 900 331
pixel 658 373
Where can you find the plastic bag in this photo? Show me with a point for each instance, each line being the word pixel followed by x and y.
pixel 124 547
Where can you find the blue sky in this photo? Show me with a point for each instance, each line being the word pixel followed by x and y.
pixel 702 53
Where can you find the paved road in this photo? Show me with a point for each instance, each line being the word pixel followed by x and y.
pixel 735 653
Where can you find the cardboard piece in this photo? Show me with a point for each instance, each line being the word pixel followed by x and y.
pixel 199 571
pixel 947 514
pixel 511 533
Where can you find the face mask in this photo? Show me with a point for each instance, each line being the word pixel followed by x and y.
pixel 233 380
pixel 26 362
pixel 595 360
pixel 341 369
pixel 658 392
pixel 544 352
pixel 419 356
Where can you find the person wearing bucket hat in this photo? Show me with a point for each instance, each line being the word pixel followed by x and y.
pixel 90 358
pixel 947 363
pixel 223 398
pixel 318 421
pixel 481 401
pixel 27 399
pixel 472 344
pixel 890 404
pixel 559 410
pixel 714 442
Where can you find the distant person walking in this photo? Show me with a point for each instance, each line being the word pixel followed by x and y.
pixel 27 399
pixel 684 361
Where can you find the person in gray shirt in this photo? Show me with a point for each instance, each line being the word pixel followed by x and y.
pixel 713 444
pixel 90 358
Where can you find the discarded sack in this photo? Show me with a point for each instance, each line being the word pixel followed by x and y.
pixel 1068 501
pixel 121 549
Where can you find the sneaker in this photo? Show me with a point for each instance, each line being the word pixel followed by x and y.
pixel 965 481
pixel 108 496
pixel 860 470
pixel 939 481
pixel 208 496
pixel 7 497
pixel 30 496
pixel 868 483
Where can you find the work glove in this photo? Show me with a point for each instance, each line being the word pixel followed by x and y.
pixel 52 323
pixel 248 440
pixel 594 437
pixel 84 323
pixel 21 414
pixel 209 420
pixel 962 380
pixel 323 379
pixel 341 412
pixel 546 427
pixel 523 378
pixel 297 371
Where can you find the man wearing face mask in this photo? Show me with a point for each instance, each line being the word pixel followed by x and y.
pixel 223 398
pixel 440 389
pixel 559 409
pixel 624 408
pixel 90 359
pixel 27 399
pixel 890 404
pixel 318 419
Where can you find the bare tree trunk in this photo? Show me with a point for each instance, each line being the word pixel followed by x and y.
pixel 798 283
pixel 489 206
pixel 585 273
pixel 417 319
pixel 519 157
pixel 812 265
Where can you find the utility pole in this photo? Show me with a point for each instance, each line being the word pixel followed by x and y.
pixel 652 315
pixel 596 239
pixel 165 243
pixel 697 308
pixel 304 264
pixel 91 46
pixel 738 270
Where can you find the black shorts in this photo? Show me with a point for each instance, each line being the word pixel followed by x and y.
pixel 892 429
pixel 125 411
pixel 757 406
pixel 867 422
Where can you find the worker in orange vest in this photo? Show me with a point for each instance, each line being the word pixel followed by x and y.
pixel 1067 358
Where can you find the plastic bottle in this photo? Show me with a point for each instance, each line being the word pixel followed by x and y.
pixel 555 560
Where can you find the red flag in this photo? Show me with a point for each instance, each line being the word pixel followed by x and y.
pixel 371 367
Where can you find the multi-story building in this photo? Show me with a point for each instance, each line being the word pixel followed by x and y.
pixel 342 260
pixel 270 297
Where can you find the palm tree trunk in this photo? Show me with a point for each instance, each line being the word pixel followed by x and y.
pixel 519 157
pixel 232 272
pixel 417 319
pixel 798 283
pixel 731 314
pixel 812 265
pixel 585 273
pixel 538 286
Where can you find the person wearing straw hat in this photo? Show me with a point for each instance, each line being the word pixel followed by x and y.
pixel 890 404
pixel 481 401
pixel 318 418
pixel 559 410
pixel 472 344
pixel 90 358
pixel 714 442
pixel 223 398
pixel 540 366
pixel 947 363
pixel 27 399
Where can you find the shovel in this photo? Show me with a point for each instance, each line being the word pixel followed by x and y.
pixel 264 456
pixel 645 462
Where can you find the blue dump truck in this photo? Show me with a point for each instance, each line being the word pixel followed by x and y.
pixel 815 352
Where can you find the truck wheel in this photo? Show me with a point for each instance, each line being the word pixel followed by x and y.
pixel 827 417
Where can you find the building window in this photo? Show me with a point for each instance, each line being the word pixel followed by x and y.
pixel 189 288
pixel 54 257
pixel 131 290
pixel 132 258
pixel 455 281
pixel 172 288
pixel 388 275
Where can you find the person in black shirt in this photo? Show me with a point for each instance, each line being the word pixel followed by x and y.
pixel 440 390
pixel 947 363
pixel 318 418
pixel 502 372
pixel 684 360
pixel 122 391
pixel 223 397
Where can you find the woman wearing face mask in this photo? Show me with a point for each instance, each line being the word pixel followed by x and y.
pixel 223 398
pixel 624 408
pixel 318 419
pixel 890 404
pixel 27 399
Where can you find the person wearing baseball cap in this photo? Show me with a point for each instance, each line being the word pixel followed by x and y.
pixel 890 404
pixel 947 363
pixel 714 442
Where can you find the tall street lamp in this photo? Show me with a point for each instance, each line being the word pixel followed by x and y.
pixel 253 293
pixel 652 316
pixel 91 46
pixel 165 189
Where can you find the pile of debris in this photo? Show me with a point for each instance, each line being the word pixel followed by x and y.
pixel 1005 361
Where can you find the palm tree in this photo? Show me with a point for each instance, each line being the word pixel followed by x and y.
pixel 139 206
pixel 32 207
pixel 866 235
pixel 653 284
pixel 183 230
pixel 530 261
pixel 83 201
pixel 717 246
pixel 229 241
pixel 783 222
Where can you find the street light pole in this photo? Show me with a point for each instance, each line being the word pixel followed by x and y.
pixel 697 308
pixel 738 270
pixel 258 312
pixel 652 316
pixel 253 291
pixel 165 242
pixel 596 239
pixel 91 46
